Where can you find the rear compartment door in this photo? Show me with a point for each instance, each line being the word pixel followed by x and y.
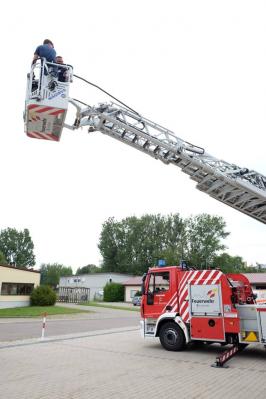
pixel 261 312
pixel 207 321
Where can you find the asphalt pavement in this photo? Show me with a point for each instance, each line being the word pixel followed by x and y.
pixel 96 319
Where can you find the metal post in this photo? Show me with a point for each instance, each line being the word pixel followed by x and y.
pixel 43 324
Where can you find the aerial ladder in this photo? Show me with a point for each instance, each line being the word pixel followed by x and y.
pixel 46 105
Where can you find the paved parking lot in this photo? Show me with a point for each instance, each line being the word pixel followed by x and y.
pixel 118 363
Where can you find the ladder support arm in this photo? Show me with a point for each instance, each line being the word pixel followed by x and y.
pixel 240 188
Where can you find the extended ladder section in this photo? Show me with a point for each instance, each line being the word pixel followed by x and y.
pixel 240 188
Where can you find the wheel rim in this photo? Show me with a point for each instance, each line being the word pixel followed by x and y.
pixel 171 337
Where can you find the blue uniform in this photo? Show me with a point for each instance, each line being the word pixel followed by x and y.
pixel 44 50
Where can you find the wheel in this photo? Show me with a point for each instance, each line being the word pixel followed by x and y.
pixel 172 337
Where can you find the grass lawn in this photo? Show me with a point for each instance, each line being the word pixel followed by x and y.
pixel 37 311
pixel 103 305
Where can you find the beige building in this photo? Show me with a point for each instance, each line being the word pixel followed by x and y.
pixel 132 286
pixel 16 286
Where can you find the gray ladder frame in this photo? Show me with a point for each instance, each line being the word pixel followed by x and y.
pixel 240 188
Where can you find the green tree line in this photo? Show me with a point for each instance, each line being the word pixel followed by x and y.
pixel 132 245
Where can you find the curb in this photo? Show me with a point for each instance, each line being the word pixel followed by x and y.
pixel 34 341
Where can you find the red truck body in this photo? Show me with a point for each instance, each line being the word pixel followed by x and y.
pixel 180 306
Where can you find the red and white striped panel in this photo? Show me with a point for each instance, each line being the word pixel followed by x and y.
pixel 40 109
pixel 174 300
pixel 38 112
pixel 44 136
pixel 173 303
pixel 194 277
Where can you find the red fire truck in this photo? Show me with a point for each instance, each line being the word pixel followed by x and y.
pixel 181 306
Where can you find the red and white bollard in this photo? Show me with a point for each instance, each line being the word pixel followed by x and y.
pixel 43 324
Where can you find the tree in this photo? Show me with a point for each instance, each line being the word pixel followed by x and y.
pixel 134 244
pixel 2 258
pixel 51 273
pixel 229 264
pixel 17 247
pixel 88 269
pixel 204 235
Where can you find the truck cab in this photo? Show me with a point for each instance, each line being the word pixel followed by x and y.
pixel 160 288
pixel 159 299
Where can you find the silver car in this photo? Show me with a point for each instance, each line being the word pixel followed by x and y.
pixel 136 300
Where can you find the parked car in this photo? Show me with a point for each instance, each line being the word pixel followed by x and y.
pixel 136 300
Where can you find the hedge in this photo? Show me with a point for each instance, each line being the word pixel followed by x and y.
pixel 43 296
pixel 113 292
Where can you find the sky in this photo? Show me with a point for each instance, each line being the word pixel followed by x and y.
pixel 194 67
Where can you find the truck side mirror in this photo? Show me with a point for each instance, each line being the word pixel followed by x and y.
pixel 143 284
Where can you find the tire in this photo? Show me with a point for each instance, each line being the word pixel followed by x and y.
pixel 172 337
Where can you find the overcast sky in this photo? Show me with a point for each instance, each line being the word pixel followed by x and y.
pixel 196 67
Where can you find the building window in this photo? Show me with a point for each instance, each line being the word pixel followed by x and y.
pixel 132 293
pixel 16 288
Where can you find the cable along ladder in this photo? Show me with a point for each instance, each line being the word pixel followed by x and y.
pixel 240 188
